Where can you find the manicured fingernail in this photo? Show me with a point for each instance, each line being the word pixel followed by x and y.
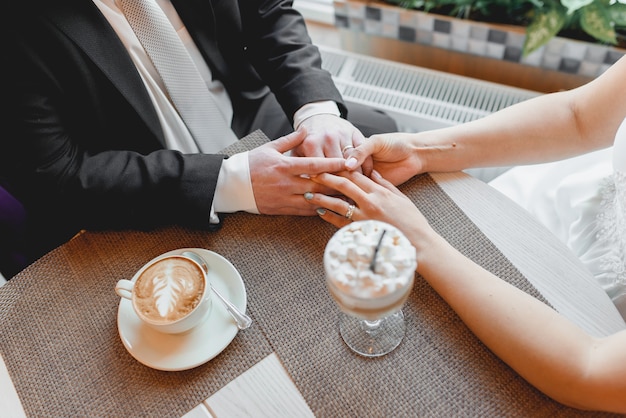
pixel 351 163
pixel 320 211
pixel 308 195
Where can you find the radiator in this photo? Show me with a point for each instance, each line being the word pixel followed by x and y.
pixel 417 98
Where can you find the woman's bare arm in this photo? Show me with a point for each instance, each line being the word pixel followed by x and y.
pixel 545 128
pixel 545 348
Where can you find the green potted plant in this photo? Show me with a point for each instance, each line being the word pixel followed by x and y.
pixel 541 45
pixel 601 21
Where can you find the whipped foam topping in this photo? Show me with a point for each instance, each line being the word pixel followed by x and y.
pixel 349 254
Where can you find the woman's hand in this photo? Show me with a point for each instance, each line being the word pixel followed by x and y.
pixel 394 155
pixel 374 198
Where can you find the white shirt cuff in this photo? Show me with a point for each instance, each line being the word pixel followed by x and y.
pixel 233 191
pixel 312 109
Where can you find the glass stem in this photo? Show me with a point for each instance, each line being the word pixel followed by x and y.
pixel 371 326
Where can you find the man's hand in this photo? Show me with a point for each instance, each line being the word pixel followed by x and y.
pixel 279 181
pixel 330 136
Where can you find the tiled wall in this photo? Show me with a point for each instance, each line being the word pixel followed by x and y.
pixel 560 54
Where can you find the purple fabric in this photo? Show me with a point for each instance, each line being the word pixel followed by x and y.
pixel 12 224
pixel 11 210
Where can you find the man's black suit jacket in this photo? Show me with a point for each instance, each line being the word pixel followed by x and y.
pixel 82 146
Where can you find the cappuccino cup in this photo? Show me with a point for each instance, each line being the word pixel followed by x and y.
pixel 171 294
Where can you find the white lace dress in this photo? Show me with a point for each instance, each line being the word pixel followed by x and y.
pixel 582 200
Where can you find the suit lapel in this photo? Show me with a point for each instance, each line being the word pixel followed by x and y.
pixel 82 22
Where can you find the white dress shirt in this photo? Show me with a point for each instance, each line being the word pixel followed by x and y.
pixel 234 187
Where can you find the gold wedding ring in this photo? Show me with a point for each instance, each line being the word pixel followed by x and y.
pixel 350 212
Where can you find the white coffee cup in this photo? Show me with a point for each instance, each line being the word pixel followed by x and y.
pixel 171 294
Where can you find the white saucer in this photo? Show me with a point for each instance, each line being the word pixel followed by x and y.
pixel 173 352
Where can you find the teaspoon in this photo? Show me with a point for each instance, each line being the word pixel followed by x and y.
pixel 243 321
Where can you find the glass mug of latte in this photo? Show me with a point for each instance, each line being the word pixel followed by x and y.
pixel 370 268
pixel 171 294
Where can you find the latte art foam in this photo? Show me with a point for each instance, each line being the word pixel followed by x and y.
pixel 169 289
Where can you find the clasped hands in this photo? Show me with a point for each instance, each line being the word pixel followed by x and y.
pixel 281 170
pixel 328 168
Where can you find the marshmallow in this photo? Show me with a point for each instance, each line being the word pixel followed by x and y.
pixel 349 254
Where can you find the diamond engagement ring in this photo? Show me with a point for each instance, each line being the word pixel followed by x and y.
pixel 350 212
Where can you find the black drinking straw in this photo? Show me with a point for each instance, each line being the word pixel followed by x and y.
pixel 380 241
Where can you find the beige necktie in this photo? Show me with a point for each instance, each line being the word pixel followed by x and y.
pixel 185 86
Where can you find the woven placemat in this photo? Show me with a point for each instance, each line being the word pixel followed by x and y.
pixel 59 338
pixel 58 327
pixel 440 369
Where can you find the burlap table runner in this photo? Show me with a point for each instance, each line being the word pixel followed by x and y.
pixel 58 327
